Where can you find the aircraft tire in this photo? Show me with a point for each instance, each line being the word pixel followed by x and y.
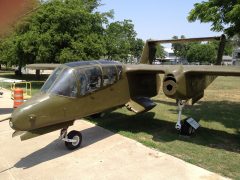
pixel 74 135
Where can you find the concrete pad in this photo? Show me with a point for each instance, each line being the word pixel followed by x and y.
pixel 103 155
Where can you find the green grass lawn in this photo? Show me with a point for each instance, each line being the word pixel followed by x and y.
pixel 215 146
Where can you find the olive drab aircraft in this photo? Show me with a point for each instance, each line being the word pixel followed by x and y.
pixel 78 89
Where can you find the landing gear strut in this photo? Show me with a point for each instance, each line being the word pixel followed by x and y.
pixel 72 140
pixel 181 105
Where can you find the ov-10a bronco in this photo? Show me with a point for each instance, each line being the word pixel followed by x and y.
pixel 79 89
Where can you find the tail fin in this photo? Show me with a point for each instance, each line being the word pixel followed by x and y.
pixel 149 53
pixel 149 50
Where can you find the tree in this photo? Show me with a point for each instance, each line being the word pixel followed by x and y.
pixel 160 52
pixel 224 15
pixel 70 30
pixel 228 50
pixel 120 40
pixel 181 49
pixel 59 31
pixel 202 53
pixel 137 48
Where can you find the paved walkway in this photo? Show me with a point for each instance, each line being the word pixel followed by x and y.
pixel 103 155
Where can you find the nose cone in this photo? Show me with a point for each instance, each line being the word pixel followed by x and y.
pixel 24 117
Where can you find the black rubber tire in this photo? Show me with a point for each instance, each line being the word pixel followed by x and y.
pixel 74 135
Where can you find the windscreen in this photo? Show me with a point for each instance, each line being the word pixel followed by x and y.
pixel 51 79
pixel 65 84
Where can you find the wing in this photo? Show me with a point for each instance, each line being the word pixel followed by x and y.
pixel 179 82
pixel 188 69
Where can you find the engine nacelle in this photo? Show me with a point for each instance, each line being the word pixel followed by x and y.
pixel 174 85
pixel 178 85
pixel 169 85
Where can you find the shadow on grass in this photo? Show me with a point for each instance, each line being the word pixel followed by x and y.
pixel 163 131
pixel 224 112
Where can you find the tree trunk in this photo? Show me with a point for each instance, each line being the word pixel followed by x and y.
pixel 221 49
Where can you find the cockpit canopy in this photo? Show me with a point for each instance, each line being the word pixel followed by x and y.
pixel 79 79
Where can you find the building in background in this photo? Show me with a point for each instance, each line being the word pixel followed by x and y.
pixel 236 56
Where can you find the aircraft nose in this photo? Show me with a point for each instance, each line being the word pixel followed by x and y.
pixel 20 121
pixel 24 117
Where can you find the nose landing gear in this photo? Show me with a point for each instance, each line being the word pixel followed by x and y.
pixel 72 140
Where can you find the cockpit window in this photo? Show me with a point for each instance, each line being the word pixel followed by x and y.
pixel 83 82
pixel 66 84
pixel 51 79
pixel 109 75
pixel 90 79
pixel 119 69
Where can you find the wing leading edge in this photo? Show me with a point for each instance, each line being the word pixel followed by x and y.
pixel 203 70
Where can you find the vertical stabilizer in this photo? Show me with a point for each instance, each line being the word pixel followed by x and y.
pixel 149 53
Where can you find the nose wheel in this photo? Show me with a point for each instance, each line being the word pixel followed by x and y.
pixel 72 140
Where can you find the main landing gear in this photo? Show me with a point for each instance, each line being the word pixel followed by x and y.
pixel 72 140
pixel 181 105
pixel 188 126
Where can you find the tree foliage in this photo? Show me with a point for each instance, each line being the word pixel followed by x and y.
pixel 160 53
pixel 197 52
pixel 69 30
pixel 180 49
pixel 120 37
pixel 223 14
pixel 202 53
pixel 229 46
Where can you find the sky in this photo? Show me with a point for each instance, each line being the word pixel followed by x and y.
pixel 158 19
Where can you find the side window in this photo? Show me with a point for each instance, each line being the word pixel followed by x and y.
pixel 109 75
pixel 94 78
pixel 83 82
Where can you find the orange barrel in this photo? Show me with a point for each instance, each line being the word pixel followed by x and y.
pixel 18 97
